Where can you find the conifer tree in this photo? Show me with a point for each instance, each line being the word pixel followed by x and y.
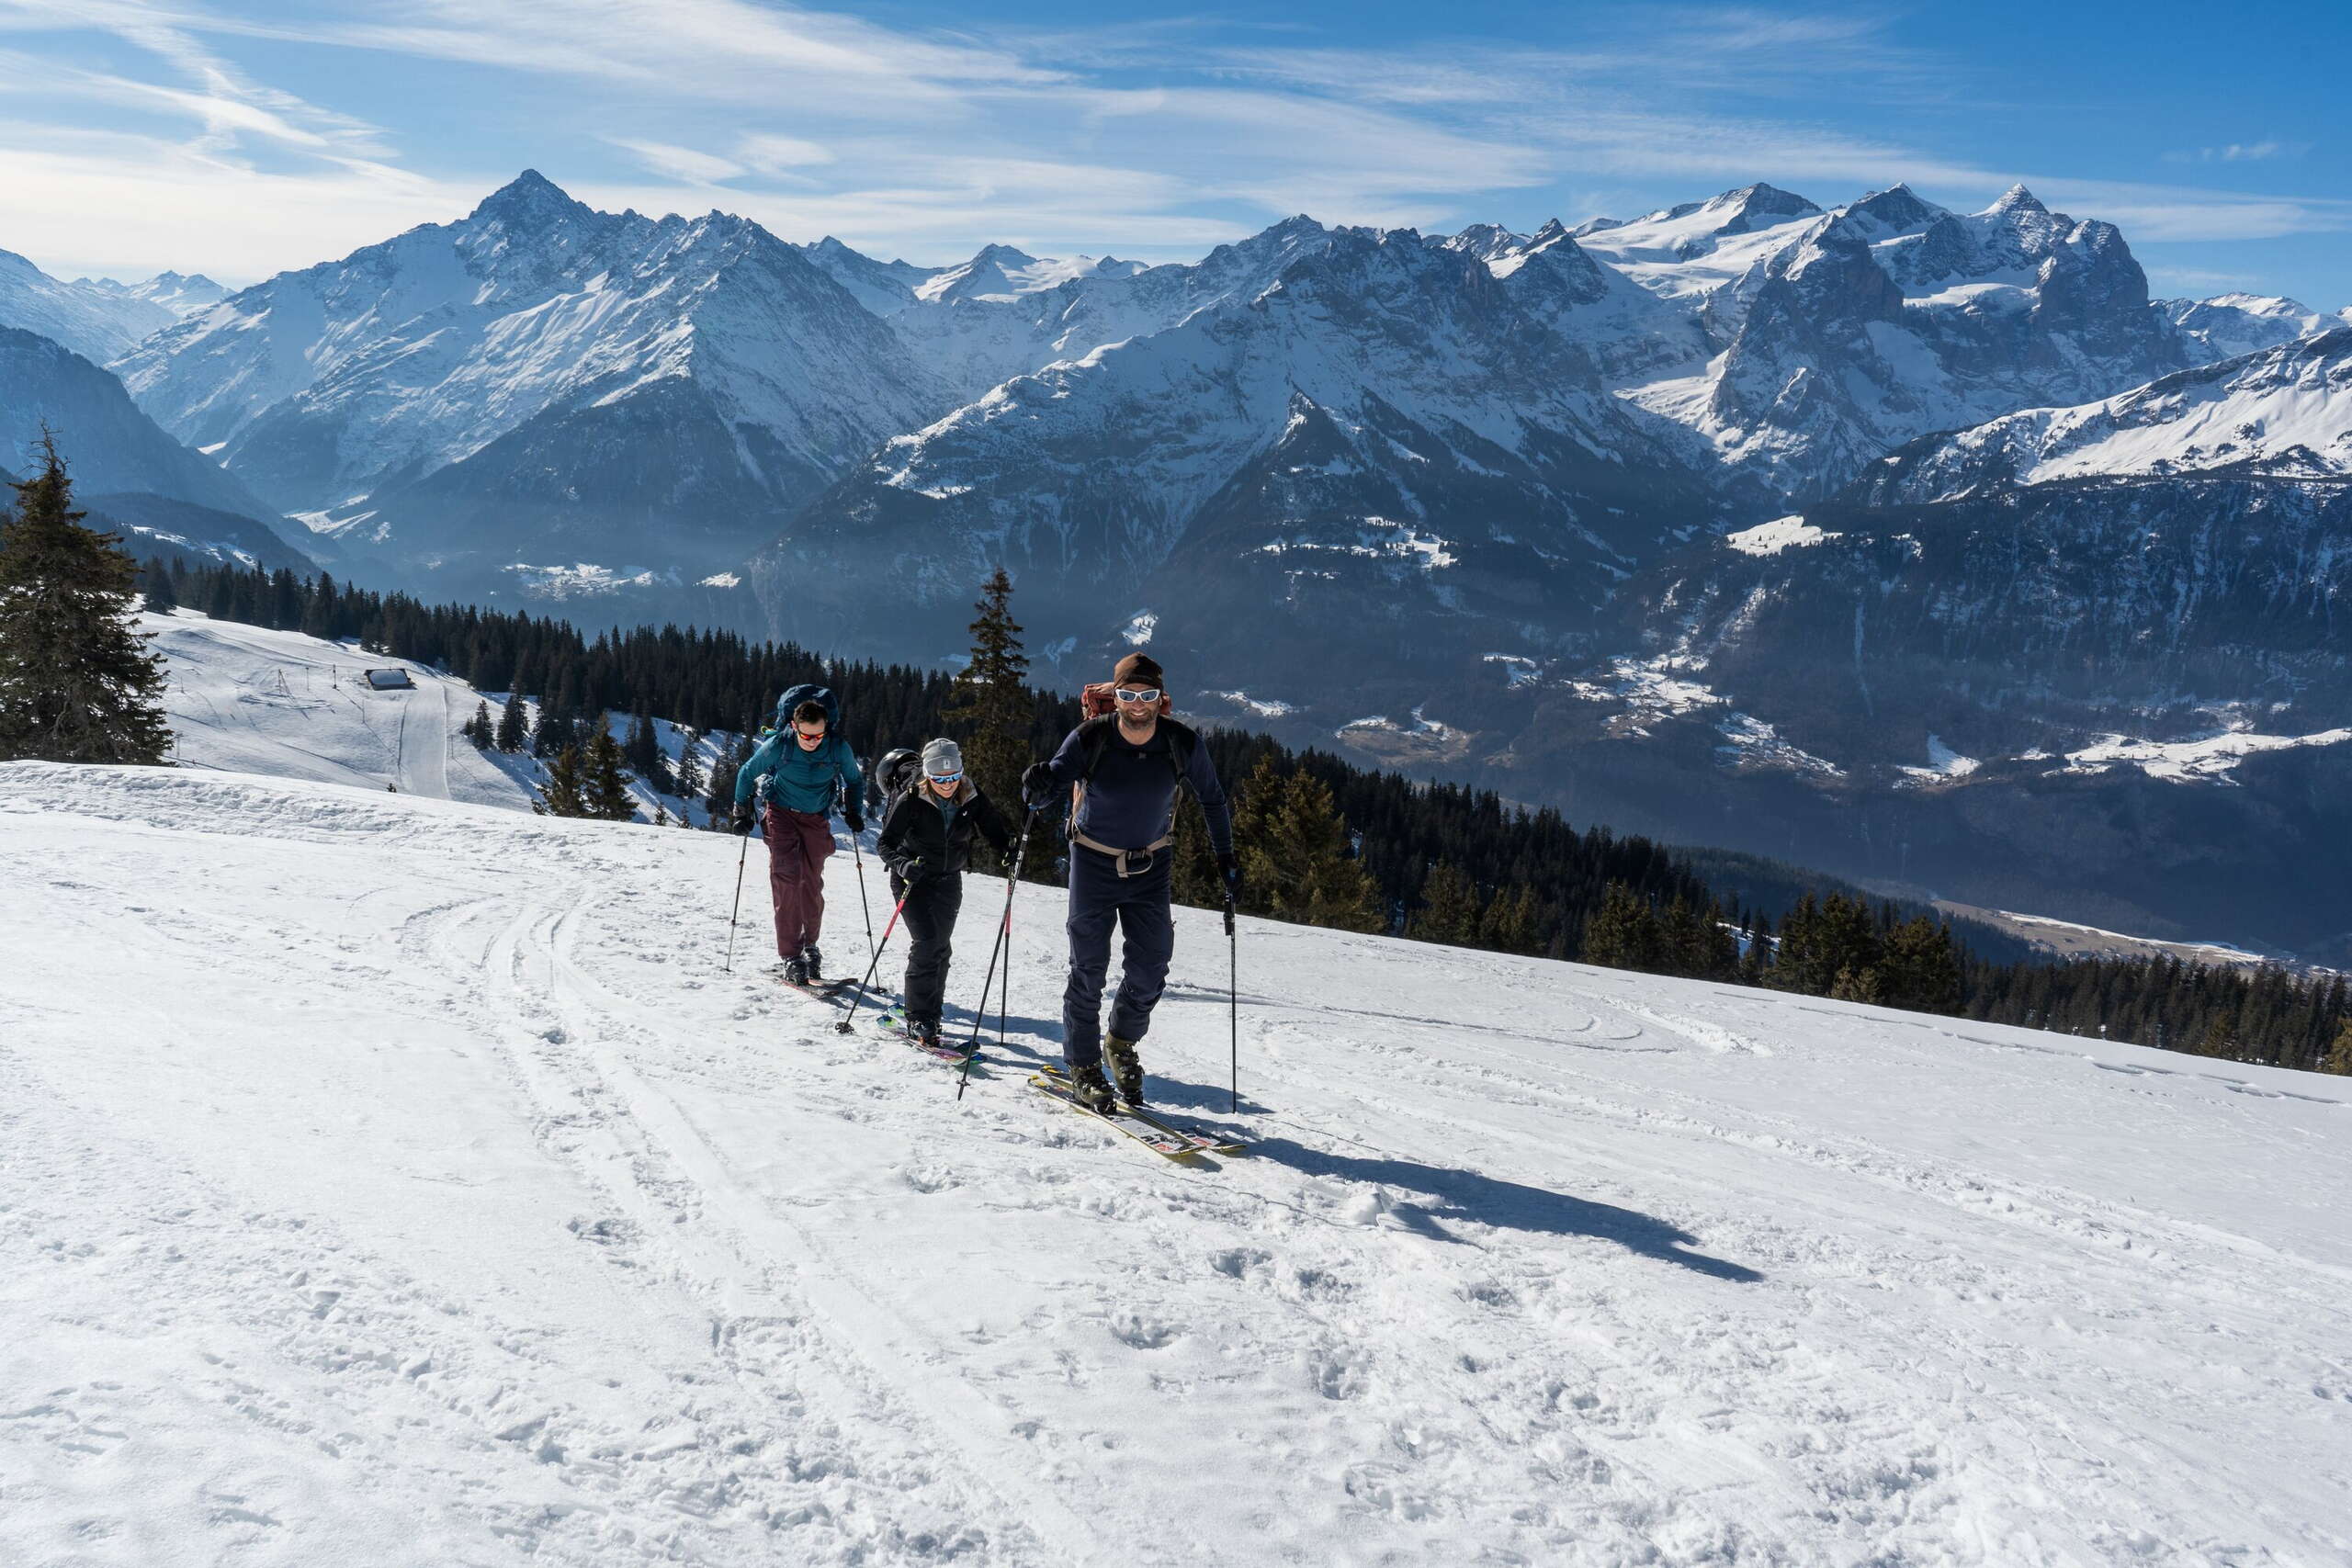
pixel 77 682
pixel 1623 932
pixel 2339 1054
pixel 479 728
pixel 1449 911
pixel 513 725
pixel 689 779
pixel 604 783
pixel 155 586
pixel 1508 925
pixel 561 795
pixel 988 709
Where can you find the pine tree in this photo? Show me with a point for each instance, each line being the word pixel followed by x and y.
pixel 155 586
pixel 513 732
pixel 77 682
pixel 2339 1054
pixel 1623 932
pixel 1508 925
pixel 479 728
pixel 988 709
pixel 604 780
pixel 561 795
pixel 1449 911
pixel 689 780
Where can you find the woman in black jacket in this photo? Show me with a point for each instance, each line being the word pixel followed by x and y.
pixel 926 840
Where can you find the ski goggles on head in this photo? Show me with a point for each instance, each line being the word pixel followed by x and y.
pixel 1150 697
pixel 956 777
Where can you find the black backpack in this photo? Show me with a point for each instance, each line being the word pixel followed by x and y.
pixel 895 774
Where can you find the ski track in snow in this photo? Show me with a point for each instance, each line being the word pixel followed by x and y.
pixel 401 1180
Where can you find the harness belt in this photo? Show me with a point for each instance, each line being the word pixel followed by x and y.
pixel 1126 857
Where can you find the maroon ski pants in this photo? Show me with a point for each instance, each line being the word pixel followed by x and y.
pixel 799 842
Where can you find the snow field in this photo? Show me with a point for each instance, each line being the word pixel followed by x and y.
pixel 246 699
pixel 395 1180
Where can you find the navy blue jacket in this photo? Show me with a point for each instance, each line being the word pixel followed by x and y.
pixel 1131 799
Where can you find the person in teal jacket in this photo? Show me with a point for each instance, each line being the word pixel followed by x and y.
pixel 797 773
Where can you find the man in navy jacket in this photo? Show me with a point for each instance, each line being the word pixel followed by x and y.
pixel 1123 770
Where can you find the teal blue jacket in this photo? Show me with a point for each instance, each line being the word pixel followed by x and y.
pixel 801 781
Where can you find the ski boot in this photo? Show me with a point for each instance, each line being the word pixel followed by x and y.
pixel 1126 1069
pixel 1087 1088
pixel 796 971
pixel 812 967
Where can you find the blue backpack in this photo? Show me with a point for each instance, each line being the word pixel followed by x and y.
pixel 808 692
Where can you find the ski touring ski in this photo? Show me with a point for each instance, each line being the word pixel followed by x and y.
pixel 822 990
pixel 1154 1132
pixel 892 1025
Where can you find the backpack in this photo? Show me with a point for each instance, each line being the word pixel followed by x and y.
pixel 1094 701
pixel 808 692
pixel 895 773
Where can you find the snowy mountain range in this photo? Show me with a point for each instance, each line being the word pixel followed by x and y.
pixel 1481 474
pixel 540 384
pixel 98 318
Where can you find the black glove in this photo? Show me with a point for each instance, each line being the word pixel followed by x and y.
pixel 1228 866
pixel 910 872
pixel 743 816
pixel 1038 786
pixel 856 820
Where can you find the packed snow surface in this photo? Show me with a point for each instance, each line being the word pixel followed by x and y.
pixel 394 1180
pixel 2215 758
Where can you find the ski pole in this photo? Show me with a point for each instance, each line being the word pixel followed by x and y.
pixel 737 912
pixel 875 962
pixel 1003 944
pixel 1233 990
pixel 862 906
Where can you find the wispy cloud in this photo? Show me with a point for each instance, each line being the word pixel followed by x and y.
pixel 2240 152
pixel 1159 139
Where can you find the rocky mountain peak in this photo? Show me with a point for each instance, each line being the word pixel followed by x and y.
pixel 530 199
pixel 2017 199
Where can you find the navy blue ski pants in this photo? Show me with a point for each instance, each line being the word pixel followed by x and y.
pixel 1100 898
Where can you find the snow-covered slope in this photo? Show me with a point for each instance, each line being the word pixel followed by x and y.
pixel 244 699
pixel 2283 412
pixel 386 1180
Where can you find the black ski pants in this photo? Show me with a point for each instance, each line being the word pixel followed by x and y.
pixel 1100 898
pixel 929 916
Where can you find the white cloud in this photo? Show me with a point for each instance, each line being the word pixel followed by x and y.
pixel 2240 152
pixel 679 163
pixel 770 153
pixel 926 144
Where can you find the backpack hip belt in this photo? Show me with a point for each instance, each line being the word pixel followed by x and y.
pixel 1126 857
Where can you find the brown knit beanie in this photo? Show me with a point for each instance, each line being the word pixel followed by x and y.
pixel 1139 669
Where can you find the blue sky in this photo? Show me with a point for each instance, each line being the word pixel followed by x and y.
pixel 240 138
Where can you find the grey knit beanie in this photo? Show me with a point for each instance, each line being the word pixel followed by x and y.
pixel 941 756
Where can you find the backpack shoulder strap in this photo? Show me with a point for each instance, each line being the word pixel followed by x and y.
pixel 1183 741
pixel 1093 736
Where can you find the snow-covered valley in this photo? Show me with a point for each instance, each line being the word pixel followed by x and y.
pixel 393 1179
